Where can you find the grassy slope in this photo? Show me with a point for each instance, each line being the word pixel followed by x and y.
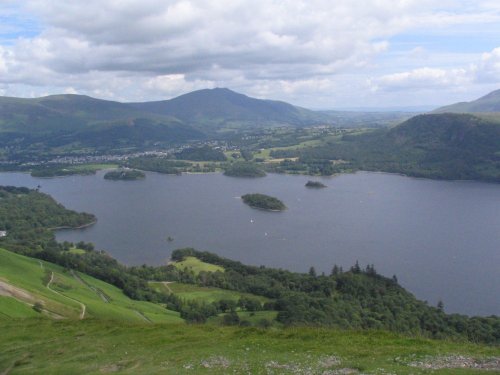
pixel 36 346
pixel 32 276
pixel 196 265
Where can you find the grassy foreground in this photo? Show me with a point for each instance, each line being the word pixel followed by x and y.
pixel 42 346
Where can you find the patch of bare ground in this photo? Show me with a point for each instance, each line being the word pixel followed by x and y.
pixel 322 366
pixel 120 366
pixel 10 290
pixel 457 362
pixel 215 362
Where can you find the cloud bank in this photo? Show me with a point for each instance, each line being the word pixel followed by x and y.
pixel 315 53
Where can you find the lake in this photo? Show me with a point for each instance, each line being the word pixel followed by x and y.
pixel 441 238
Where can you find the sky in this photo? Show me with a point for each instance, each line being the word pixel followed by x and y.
pixel 319 54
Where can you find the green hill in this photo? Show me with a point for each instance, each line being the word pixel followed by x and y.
pixel 212 109
pixel 440 146
pixel 487 103
pixel 64 123
pixel 62 293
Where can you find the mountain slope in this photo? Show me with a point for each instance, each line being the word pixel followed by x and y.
pixel 487 103
pixel 79 122
pixel 440 146
pixel 221 107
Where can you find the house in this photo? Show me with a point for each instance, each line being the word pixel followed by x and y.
pixel 3 233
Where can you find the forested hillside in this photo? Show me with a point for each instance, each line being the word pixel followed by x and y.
pixel 441 146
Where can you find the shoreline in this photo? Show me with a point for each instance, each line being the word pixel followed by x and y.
pixel 80 227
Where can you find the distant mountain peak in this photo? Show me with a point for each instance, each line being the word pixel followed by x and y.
pixel 219 107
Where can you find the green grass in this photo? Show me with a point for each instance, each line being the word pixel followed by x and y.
pixel 265 153
pixel 253 317
pixel 12 308
pixel 34 346
pixel 200 293
pixel 102 300
pixel 196 265
pixel 74 250
pixel 93 166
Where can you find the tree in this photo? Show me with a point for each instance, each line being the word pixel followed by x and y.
pixel 312 272
pixel 356 268
pixel 231 319
pixel 335 270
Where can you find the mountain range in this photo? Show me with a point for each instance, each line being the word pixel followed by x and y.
pixel 80 124
pixel 77 122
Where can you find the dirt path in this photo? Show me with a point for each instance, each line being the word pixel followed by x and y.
pixel 166 285
pixel 9 369
pixel 103 296
pixel 143 316
pixel 84 308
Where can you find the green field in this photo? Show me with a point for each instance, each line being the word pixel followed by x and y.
pixel 254 318
pixel 95 167
pixel 12 308
pixel 69 291
pixel 196 265
pixel 75 250
pixel 200 293
pixel 34 346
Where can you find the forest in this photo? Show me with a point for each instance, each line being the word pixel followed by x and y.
pixel 244 169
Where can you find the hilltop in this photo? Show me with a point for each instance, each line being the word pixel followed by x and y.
pixel 211 109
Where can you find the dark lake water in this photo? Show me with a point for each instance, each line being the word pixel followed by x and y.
pixel 441 238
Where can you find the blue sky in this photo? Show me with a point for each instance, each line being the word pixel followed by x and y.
pixel 316 53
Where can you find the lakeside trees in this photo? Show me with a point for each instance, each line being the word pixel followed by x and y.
pixel 124 174
pixel 244 169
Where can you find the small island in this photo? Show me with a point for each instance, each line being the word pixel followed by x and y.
pixel 244 169
pixel 124 174
pixel 315 184
pixel 263 202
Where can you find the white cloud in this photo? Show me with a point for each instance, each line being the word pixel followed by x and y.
pixel 170 85
pixel 485 70
pixel 488 69
pixel 289 49
pixel 188 37
pixel 422 78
